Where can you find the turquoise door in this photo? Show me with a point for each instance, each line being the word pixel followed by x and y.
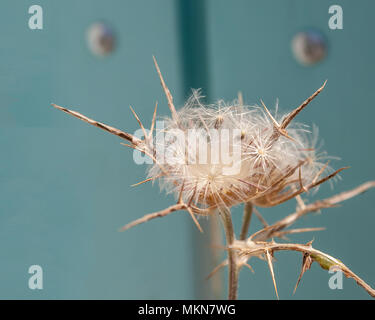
pixel 65 186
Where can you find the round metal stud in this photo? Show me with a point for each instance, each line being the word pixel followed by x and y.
pixel 100 39
pixel 309 47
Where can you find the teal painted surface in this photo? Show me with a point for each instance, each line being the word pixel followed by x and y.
pixel 250 51
pixel 65 186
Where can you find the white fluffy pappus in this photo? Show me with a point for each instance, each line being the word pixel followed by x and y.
pixel 266 166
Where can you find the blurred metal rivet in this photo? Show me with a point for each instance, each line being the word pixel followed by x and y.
pixel 100 39
pixel 309 47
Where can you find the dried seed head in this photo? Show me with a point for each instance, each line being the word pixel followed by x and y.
pixel 220 155
pixel 244 157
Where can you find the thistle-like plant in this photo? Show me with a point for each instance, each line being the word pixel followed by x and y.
pixel 250 156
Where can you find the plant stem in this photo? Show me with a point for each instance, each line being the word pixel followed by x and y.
pixel 247 213
pixel 226 218
pixel 326 261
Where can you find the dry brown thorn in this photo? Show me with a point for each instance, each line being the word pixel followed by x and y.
pixel 167 92
pixel 225 263
pixel 147 180
pixel 281 234
pixel 192 215
pixel 217 268
pixel 303 189
pixel 320 171
pixel 154 215
pixel 160 214
pixel 180 205
pixel 240 98
pixel 276 183
pixel 117 132
pixel 153 122
pixel 139 122
pixel 249 267
pixel 251 184
pixel 260 217
pixel 296 111
pixel 270 265
pixel 280 129
pixel 277 127
pixel 269 232
pixel 306 265
pixel 152 157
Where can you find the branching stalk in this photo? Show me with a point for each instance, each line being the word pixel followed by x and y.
pixel 226 219
pixel 326 261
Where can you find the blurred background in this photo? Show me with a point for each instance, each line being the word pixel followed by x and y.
pixel 65 186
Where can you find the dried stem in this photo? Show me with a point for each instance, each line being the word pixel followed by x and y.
pixel 226 219
pixel 255 245
pixel 247 213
